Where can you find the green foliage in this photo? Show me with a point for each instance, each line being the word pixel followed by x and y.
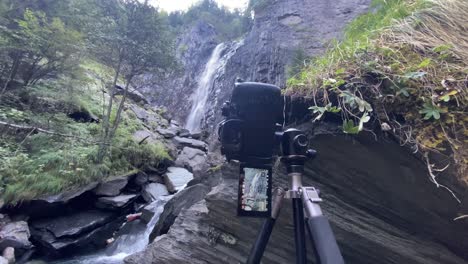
pixel 229 24
pixel 322 110
pixel 430 111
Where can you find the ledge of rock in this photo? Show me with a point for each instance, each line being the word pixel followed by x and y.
pixel 192 143
pixel 377 196
pixel 116 202
pixel 154 190
pixel 15 235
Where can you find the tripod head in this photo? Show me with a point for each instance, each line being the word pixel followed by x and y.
pixel 294 149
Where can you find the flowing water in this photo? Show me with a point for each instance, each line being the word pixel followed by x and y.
pixel 134 239
pixel 205 82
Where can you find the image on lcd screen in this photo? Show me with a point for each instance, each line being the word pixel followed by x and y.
pixel 255 190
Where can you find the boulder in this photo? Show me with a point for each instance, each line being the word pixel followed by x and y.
pixel 15 235
pixel 112 187
pixel 182 200
pixel 184 133
pixel 177 178
pixel 9 255
pixel 152 191
pixel 115 202
pixel 69 234
pixel 196 135
pixel 188 142
pixel 192 159
pixel 73 225
pixel 167 133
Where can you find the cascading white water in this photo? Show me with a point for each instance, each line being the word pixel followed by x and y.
pixel 205 82
pixel 135 240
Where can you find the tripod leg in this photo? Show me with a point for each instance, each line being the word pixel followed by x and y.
pixel 323 239
pixel 258 248
pixel 299 231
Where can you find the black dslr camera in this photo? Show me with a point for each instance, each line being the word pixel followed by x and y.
pixel 247 135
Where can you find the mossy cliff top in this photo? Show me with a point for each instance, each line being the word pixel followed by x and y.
pixel 401 69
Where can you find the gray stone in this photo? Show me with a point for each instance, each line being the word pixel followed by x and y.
pixel 192 159
pixel 73 225
pixel 184 133
pixel 196 135
pixel 193 143
pixel 9 255
pixel 15 235
pixel 167 133
pixel 177 178
pixel 156 178
pixel 3 260
pixel 74 233
pixel 154 190
pixel 115 202
pixel 111 187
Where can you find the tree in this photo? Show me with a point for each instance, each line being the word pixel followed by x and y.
pixel 37 47
pixel 133 40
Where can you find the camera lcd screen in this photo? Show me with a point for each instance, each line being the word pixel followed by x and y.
pixel 254 192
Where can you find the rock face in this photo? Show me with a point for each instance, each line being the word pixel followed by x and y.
pixel 377 196
pixel 111 187
pixel 115 202
pixel 280 30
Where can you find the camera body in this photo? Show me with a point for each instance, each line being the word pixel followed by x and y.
pixel 248 135
pixel 251 120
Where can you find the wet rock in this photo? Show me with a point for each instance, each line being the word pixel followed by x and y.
pixel 15 235
pixel 184 133
pixel 182 200
pixel 73 225
pixel 72 233
pixel 177 178
pixel 192 159
pixel 154 208
pixel 196 135
pixel 115 202
pixel 154 190
pixel 9 255
pixel 167 133
pixel 112 187
pixel 193 143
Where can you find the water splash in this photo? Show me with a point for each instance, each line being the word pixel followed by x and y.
pixel 200 96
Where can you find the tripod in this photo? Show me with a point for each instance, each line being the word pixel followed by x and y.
pixel 294 155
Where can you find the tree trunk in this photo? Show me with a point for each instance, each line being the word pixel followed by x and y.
pixel 103 147
pixel 13 71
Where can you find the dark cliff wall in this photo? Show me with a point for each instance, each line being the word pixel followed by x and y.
pixel 382 207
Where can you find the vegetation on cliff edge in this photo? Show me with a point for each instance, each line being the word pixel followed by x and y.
pixel 401 69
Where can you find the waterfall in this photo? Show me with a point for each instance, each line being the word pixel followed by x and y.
pixel 205 82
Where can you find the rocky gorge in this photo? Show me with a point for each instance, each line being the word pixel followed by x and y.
pixel 377 193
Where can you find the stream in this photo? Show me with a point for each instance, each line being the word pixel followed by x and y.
pixel 133 238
